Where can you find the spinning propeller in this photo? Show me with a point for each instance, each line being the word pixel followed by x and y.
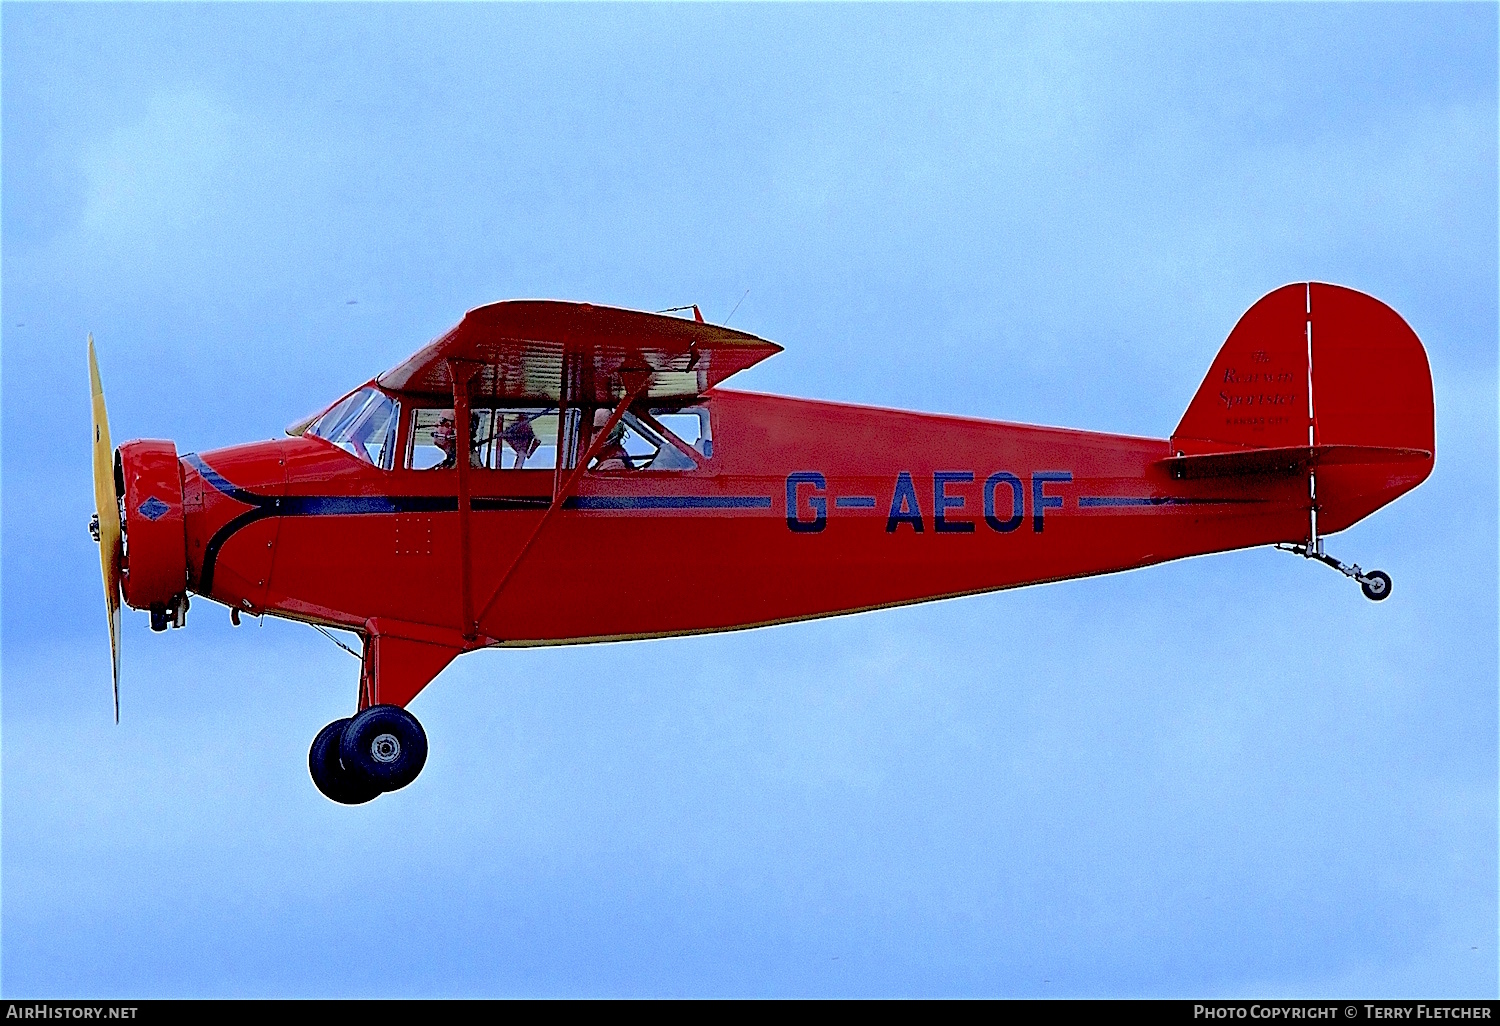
pixel 106 523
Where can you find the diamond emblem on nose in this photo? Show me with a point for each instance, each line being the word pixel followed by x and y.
pixel 152 509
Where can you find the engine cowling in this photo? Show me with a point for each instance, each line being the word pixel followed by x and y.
pixel 155 564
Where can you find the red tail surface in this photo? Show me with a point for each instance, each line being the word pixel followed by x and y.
pixel 1319 379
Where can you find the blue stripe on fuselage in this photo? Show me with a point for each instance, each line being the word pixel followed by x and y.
pixel 219 482
pixel 615 502
pixel 1120 501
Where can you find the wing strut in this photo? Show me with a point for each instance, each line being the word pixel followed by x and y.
pixel 635 384
pixel 462 372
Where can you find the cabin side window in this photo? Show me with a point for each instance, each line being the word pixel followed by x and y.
pixel 430 444
pixel 363 425
pixel 508 439
pixel 657 439
pixel 690 424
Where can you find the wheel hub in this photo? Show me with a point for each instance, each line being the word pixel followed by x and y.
pixel 385 748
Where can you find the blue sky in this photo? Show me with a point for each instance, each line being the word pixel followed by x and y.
pixel 1227 776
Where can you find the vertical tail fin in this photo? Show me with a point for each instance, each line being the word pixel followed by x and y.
pixel 1256 393
pixel 1332 373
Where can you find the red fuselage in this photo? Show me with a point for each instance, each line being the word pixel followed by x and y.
pixel 806 509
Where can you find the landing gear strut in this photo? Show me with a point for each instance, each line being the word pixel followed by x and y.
pixel 1376 584
pixel 356 760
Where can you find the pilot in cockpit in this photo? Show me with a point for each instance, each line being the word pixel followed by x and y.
pixel 445 437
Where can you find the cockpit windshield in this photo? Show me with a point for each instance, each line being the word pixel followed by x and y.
pixel 363 425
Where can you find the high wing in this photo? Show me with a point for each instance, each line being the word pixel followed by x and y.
pixel 548 350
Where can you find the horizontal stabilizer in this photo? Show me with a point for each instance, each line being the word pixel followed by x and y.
pixel 1292 459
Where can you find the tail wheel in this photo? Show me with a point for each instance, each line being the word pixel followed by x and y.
pixel 329 774
pixel 1376 585
pixel 384 747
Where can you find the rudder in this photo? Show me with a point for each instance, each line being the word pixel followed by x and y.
pixel 1330 370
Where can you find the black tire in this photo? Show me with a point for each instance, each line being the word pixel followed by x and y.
pixel 384 747
pixel 328 773
pixel 1377 587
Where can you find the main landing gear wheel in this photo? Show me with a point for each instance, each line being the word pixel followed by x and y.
pixel 384 747
pixel 1376 585
pixel 328 773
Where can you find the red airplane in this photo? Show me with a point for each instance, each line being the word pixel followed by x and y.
pixel 555 473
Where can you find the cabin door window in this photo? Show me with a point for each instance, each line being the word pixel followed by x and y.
pixel 508 439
